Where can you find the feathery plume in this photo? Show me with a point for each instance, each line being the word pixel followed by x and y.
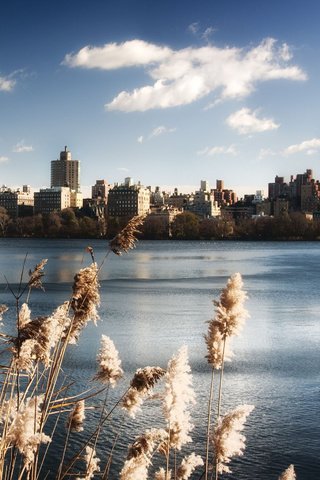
pixel 24 431
pixel 227 439
pixel 109 363
pixel 37 337
pixel 230 312
pixel 188 465
pixel 92 462
pixel 35 280
pixel 140 454
pixel 126 239
pixel 141 385
pixel 217 351
pixel 288 474
pixel 76 418
pixel 85 299
pixel 3 309
pixel 178 396
pixel 161 474
pixel 24 315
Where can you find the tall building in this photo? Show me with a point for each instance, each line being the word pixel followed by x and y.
pixel 65 172
pixel 128 199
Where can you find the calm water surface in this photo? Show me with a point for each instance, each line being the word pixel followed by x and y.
pixel 158 298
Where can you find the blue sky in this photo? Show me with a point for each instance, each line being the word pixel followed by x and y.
pixel 167 92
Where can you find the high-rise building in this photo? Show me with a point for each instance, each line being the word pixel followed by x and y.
pixel 65 172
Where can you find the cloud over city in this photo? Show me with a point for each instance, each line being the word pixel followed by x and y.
pixel 218 150
pixel 21 147
pixel 3 159
pixel 309 147
pixel 180 77
pixel 156 132
pixel 246 121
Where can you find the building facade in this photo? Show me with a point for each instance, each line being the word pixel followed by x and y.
pixel 128 200
pixel 49 200
pixel 65 172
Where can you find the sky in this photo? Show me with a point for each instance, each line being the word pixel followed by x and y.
pixel 167 92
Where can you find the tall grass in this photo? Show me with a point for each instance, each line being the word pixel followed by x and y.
pixel 36 403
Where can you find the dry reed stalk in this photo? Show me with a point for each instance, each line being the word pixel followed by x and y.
pixel 127 238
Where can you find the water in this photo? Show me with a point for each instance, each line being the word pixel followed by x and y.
pixel 159 296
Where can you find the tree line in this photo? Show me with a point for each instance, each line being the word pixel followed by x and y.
pixel 186 226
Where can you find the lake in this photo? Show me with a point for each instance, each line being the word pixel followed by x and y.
pixel 158 297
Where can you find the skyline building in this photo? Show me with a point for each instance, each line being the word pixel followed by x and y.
pixel 65 172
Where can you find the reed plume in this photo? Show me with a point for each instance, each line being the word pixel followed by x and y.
pixel 140 454
pixel 110 370
pixel 141 385
pixel 178 397
pixel 92 463
pixel 24 430
pixel 288 474
pixel 76 418
pixel 35 280
pixel 227 439
pixel 3 309
pixel 188 466
pixel 126 239
pixel 230 312
pixel 39 336
pixel 85 299
pixel 161 474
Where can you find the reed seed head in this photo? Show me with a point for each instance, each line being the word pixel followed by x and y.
pixel 178 397
pixel 230 312
pixel 140 454
pixel 92 463
pixel 217 351
pixel 288 474
pixel 24 431
pixel 35 280
pixel 141 385
pixel 188 466
pixel 126 239
pixel 85 299
pixel 227 439
pixel 110 370
pixel 76 418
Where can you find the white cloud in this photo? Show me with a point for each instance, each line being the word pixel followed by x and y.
pixel 266 152
pixel 3 159
pixel 308 146
pixel 246 121
pixel 20 147
pixel 114 55
pixel 183 76
pixel 194 28
pixel 218 150
pixel 156 132
pixel 207 33
pixel 6 84
pixel 160 131
pixel 123 169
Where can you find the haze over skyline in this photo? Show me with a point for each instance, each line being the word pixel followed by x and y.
pixel 168 92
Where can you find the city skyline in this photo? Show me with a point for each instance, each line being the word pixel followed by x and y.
pixel 167 93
